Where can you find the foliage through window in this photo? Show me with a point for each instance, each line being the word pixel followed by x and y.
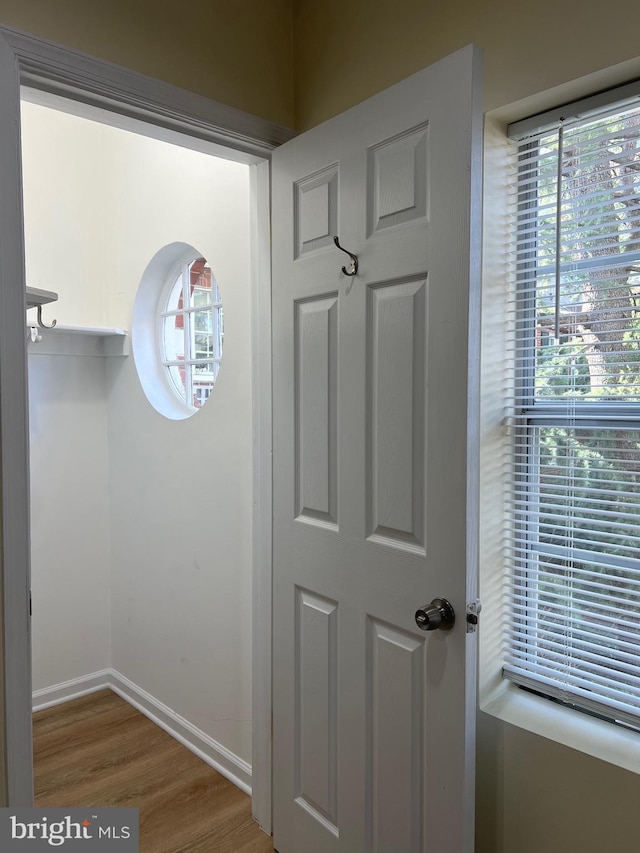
pixel 574 589
pixel 193 332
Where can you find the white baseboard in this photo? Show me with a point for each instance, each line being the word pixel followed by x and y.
pixel 74 689
pixel 213 753
pixel 228 764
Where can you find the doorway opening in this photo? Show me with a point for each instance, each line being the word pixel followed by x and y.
pixel 143 525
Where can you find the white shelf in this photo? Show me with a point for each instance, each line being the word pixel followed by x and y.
pixel 36 296
pixel 80 340
pixel 96 331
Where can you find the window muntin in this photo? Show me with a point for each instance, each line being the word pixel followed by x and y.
pixel 574 513
pixel 192 333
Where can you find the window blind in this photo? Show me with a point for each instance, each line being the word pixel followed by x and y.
pixel 574 416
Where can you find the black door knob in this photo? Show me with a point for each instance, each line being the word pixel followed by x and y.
pixel 437 615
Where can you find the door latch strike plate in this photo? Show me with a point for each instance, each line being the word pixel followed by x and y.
pixel 473 615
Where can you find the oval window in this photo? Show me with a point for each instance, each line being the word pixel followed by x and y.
pixel 178 331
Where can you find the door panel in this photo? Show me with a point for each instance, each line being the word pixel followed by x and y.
pixel 316 338
pixel 316 711
pixel 397 185
pixel 316 210
pixel 395 425
pixel 395 739
pixel 373 718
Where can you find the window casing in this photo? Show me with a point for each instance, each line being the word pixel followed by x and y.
pixel 574 416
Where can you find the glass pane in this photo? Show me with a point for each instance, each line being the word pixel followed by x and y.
pixel 173 338
pixel 202 321
pixel 175 302
pixel 218 331
pixel 178 379
pixel 201 298
pixel 588 494
pixel 203 345
pixel 203 378
pixel 597 354
pixel 583 626
pixel 580 522
pixel 201 334
pixel 200 283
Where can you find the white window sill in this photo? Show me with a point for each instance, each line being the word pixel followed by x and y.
pixel 574 729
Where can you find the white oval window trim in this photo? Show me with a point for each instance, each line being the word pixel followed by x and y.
pixel 148 334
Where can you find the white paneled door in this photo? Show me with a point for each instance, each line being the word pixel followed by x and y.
pixel 375 400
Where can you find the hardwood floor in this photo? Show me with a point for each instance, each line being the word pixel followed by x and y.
pixel 99 751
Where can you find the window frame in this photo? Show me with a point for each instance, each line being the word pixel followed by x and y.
pixel 498 697
pixel 152 297
pixel 536 636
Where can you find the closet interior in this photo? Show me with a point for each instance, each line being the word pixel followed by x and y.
pixel 140 523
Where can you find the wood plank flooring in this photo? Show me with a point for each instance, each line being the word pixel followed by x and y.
pixel 99 751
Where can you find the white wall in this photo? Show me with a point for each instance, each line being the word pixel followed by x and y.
pixel 70 517
pixel 67 403
pixel 174 503
pixel 63 172
pixel 181 490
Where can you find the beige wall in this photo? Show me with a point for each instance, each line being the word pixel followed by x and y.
pixel 346 51
pixel 234 51
pixel 535 796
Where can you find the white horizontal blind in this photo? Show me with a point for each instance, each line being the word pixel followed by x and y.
pixel 574 419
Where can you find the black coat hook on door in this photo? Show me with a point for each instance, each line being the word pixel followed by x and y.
pixel 353 266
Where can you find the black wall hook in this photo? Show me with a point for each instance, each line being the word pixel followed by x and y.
pixel 353 266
